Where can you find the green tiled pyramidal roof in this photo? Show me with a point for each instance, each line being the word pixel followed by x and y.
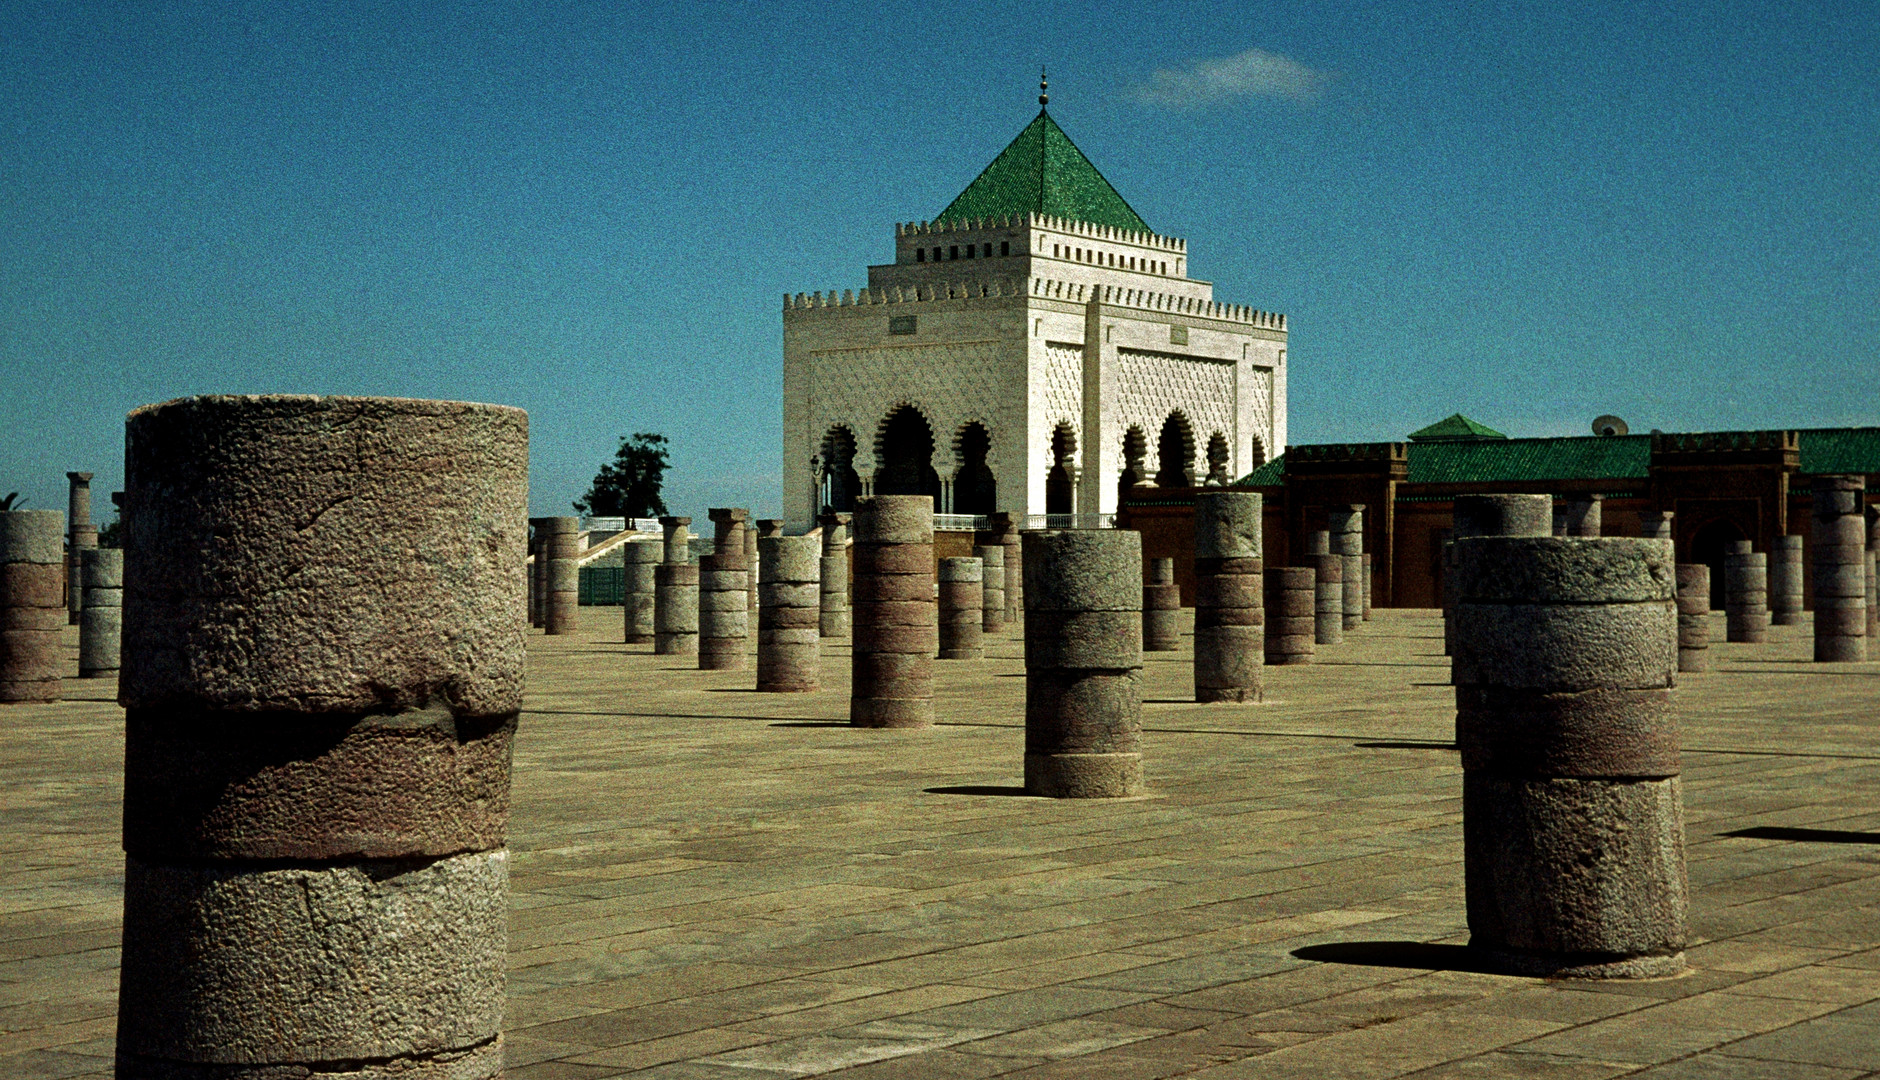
pixel 1457 426
pixel 1043 172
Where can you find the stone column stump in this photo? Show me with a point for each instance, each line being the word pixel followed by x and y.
pixel 81 536
pixel 1006 527
pixel 639 558
pixel 1840 569
pixel 1573 833
pixel 101 623
pixel 1328 584
pixel 724 593
pixel 1745 594
pixel 1291 614
pixel 675 592
pixel 564 575
pixel 962 599
pixel 32 605
pixel 323 660
pixel 992 589
pixel 538 572
pixel 1366 561
pixel 1488 515
pixel 834 621
pixel 1655 524
pixel 895 630
pixel 1873 585
pixel 1584 516
pixel 753 569
pixel 789 613
pixel 1693 617
pixel 1161 608
pixel 1345 524
pixel 1229 614
pixel 1083 663
pixel 1785 581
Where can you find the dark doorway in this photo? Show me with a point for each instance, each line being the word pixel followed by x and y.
pixel 1175 453
pixel 1709 546
pixel 1135 470
pixel 1217 460
pixel 1059 487
pixel 975 491
pixel 840 484
pixel 907 456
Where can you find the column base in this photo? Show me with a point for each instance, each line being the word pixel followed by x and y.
pixel 1083 776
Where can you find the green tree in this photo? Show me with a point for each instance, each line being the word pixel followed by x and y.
pixel 628 486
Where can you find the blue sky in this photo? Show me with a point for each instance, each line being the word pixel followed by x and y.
pixel 1531 214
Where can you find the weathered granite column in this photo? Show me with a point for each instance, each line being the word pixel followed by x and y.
pixel 1346 526
pixel 538 572
pixel 962 616
pixel 1488 515
pixel 564 574
pixel 323 656
pixel 895 630
pixel 1693 617
pixel 1161 608
pixel 81 536
pixel 1573 832
pixel 100 624
pixel 1328 585
pixel 753 572
pixel 1007 527
pixel 724 589
pixel 1584 516
pixel 1083 663
pixel 1229 616
pixel 1366 561
pixel 1873 585
pixel 638 560
pixel 32 604
pixel 1291 612
pixel 1785 581
pixel 834 621
pixel 675 593
pixel 1840 568
pixel 992 589
pixel 1655 524
pixel 1745 589
pixel 789 611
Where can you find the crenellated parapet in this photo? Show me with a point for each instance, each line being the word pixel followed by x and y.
pixel 1339 453
pixel 1051 223
pixel 1724 442
pixel 1043 288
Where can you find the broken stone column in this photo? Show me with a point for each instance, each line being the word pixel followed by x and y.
pixel 992 590
pixel 1366 558
pixel 724 589
pixel 1328 576
pixel 1655 524
pixel 1693 617
pixel 1745 588
pixel 538 572
pixel 834 621
pixel 1346 526
pixel 1006 526
pixel 639 558
pixel 1291 614
pixel 32 604
pixel 753 572
pixel 1573 833
pixel 323 662
pixel 1840 569
pixel 1083 663
pixel 675 593
pixel 1583 515
pixel 100 624
pixel 1161 608
pixel 1873 585
pixel 563 544
pixel 896 633
pixel 1229 616
pixel 789 613
pixel 962 614
pixel 1785 581
pixel 1488 515
pixel 81 536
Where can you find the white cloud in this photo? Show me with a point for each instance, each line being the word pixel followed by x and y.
pixel 1215 80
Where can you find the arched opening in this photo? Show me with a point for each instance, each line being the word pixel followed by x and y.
pixel 1217 461
pixel 1175 453
pixel 1135 454
pixel 975 491
pixel 840 484
pixel 1060 486
pixel 907 456
pixel 1257 456
pixel 1708 546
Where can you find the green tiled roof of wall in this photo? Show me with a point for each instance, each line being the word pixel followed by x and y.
pixel 1043 172
pixel 1481 461
pixel 1457 426
pixel 1273 472
pixel 1840 450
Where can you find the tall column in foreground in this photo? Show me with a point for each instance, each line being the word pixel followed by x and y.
pixel 896 633
pixel 1572 813
pixel 101 623
pixel 32 604
pixel 1083 663
pixel 1840 569
pixel 1229 614
pixel 316 769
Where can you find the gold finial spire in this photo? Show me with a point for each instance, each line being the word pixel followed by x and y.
pixel 1044 85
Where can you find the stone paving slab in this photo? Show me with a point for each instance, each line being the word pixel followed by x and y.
pixel 713 883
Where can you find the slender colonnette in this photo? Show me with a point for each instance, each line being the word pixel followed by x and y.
pixel 1840 570
pixel 675 592
pixel 962 599
pixel 1229 617
pixel 834 621
pixel 638 560
pixel 1083 663
pixel 1573 832
pixel 1745 592
pixel 724 589
pixel 1655 524
pixel 101 623
pixel 323 657
pixel 789 609
pixel 1584 516
pixel 82 536
pixel 1161 608
pixel 1346 526
pixel 895 633
pixel 32 604
pixel 1488 515
pixel 1785 581
pixel 1693 617
pixel 1291 611
pixel 564 575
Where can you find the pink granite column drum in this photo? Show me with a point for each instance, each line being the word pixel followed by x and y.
pixel 563 543
pixel 1345 524
pixel 1328 585
pixel 962 613
pixel 1291 614
pixel 675 592
pixel 1693 617
pixel 1229 614
pixel 638 560
pixel 789 613
pixel 1840 566
pixel 1488 515
pixel 1083 663
pixel 1161 608
pixel 1584 515
pixel 724 589
pixel 101 623
pixel 1785 582
pixel 992 590
pixel 538 572
pixel 834 621
pixel 1745 593
pixel 1572 826
pixel 81 536
pixel 1006 527
pixel 32 605
pixel 896 633
pixel 324 630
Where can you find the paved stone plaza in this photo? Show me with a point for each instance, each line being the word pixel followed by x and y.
pixel 713 883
